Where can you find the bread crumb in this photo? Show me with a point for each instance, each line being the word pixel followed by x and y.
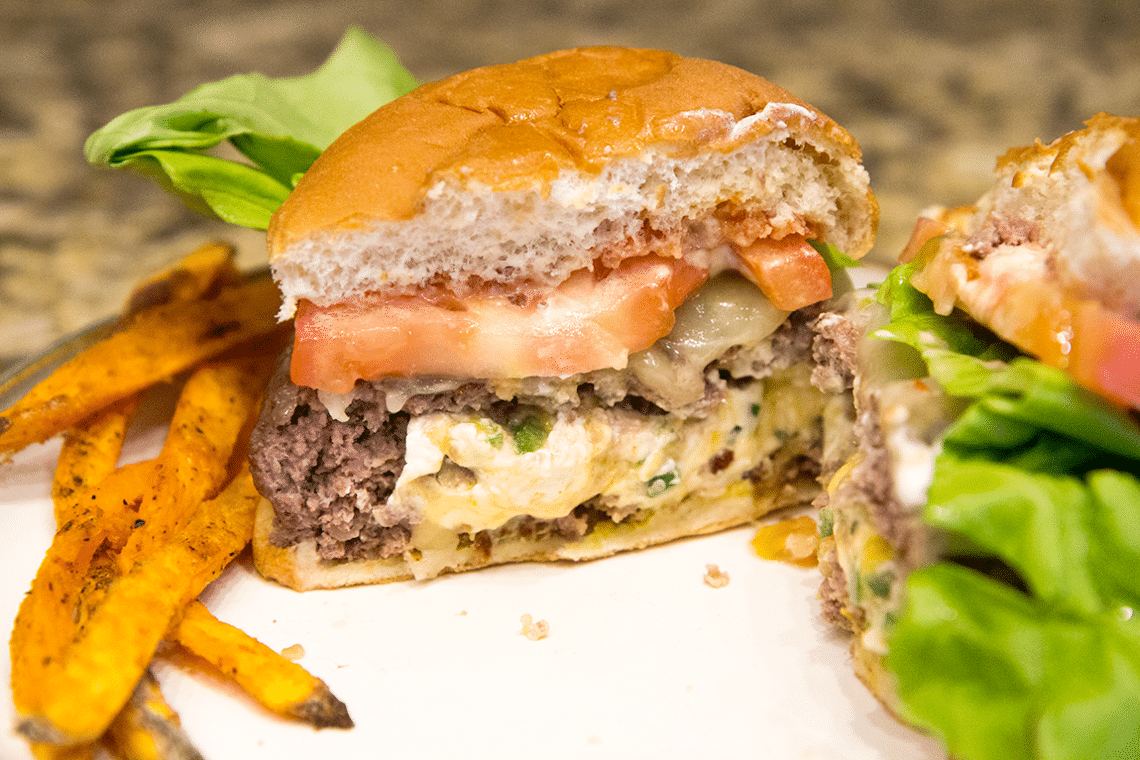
pixel 461 613
pixel 293 653
pixel 532 630
pixel 715 577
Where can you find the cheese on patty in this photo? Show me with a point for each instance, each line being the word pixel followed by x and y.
pixel 468 473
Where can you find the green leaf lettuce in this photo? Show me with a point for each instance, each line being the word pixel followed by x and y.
pixel 278 126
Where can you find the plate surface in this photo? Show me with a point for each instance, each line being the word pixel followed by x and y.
pixel 642 660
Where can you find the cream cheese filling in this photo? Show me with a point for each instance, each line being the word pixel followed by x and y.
pixel 465 473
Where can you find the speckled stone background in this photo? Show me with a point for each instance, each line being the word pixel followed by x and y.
pixel 934 90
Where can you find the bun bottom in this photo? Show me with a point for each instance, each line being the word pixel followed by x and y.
pixel 872 671
pixel 298 567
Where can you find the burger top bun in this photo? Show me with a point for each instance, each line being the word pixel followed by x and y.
pixel 1066 213
pixel 1085 187
pixel 526 172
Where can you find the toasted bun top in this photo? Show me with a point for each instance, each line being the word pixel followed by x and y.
pixel 1068 213
pixel 1110 142
pixel 522 131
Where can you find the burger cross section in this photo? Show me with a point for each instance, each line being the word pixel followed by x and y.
pixel 557 236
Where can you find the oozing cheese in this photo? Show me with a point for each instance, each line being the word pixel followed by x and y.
pixel 465 473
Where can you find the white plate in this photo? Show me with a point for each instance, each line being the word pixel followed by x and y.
pixel 643 659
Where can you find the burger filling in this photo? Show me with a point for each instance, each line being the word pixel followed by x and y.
pixel 727 405
pixel 871 526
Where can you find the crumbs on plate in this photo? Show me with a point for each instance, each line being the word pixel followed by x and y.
pixel 534 630
pixel 715 577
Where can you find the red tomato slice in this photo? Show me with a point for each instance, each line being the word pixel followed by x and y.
pixel 1106 353
pixel 789 272
pixel 925 230
pixel 586 323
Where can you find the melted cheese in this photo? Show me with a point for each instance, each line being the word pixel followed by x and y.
pixel 464 473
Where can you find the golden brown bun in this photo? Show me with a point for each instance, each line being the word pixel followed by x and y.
pixel 522 123
pixel 536 134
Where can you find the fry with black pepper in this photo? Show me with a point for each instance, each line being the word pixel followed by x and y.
pixel 281 686
pixel 80 696
pixel 154 346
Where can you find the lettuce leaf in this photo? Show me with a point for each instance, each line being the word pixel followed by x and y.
pixel 835 258
pixel 1045 667
pixel 278 126
pixel 1039 416
pixel 1039 524
pixel 1000 675
pixel 1017 400
pixel 1039 477
pixel 958 353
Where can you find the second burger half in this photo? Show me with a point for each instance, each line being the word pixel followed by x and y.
pixel 557 309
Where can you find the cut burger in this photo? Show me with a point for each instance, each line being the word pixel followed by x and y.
pixel 557 309
pixel 981 541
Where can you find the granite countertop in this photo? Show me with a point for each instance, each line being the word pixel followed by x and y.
pixel 933 91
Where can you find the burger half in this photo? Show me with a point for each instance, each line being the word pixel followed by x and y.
pixel 982 542
pixel 556 309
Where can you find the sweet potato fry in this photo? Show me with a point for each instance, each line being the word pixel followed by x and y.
pixel 196 276
pixel 281 686
pixel 213 409
pixel 154 346
pixel 43 751
pixel 147 728
pixel 130 509
pixel 88 454
pixel 80 697
pixel 46 621
pixel 76 567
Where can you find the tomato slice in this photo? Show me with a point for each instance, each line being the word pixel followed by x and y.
pixel 588 322
pixel 1106 353
pixel 789 272
pixel 925 230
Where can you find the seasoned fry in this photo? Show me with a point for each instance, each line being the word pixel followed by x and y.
pixel 75 571
pixel 136 544
pixel 196 276
pixel 81 564
pixel 88 454
pixel 282 686
pixel 215 405
pixel 46 621
pixel 91 448
pixel 52 752
pixel 81 696
pixel 147 728
pixel 156 344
